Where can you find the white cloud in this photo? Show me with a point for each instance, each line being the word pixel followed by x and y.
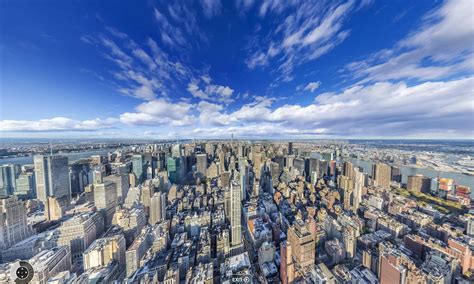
pixel 158 112
pixel 170 34
pixel 312 86
pixel 244 4
pixel 271 5
pixel 380 109
pixel 194 90
pixel 309 31
pixel 144 72
pixel 213 92
pixel 441 47
pixel 211 8
pixel 210 114
pixel 56 124
pixel 224 93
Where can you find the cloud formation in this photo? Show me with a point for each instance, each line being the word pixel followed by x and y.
pixel 380 109
pixel 442 46
pixel 211 8
pixel 312 86
pixel 159 112
pixel 308 32
pixel 56 124
pixel 421 85
pixel 212 92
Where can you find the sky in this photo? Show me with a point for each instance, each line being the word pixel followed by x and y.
pixel 257 69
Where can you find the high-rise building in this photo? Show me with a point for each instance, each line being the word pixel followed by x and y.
pixel 13 223
pixel 290 148
pixel 349 241
pixel 8 175
pixel 235 214
pixel 391 270
pixel 201 164
pixel 396 174
pixel 257 163
pixel 177 150
pixel 359 183
pixel 25 185
pixel 79 176
pixel 105 250
pixel 313 170
pixel 55 208
pixel 105 199
pixel 322 167
pixel 302 244
pixel 225 179
pixel 157 208
pixel 131 221
pixel 381 174
pixel 52 178
pixel 298 164
pixel 244 177
pixel 137 167
pixel 336 250
pixel 122 184
pixel 419 183
pixel 348 169
pixel 78 233
pixel 445 186
pixel 174 167
pixel 470 226
pixel 48 263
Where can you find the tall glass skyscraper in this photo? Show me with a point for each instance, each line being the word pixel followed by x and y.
pixel 137 167
pixel 7 179
pixel 52 177
pixel 174 169
pixel 235 214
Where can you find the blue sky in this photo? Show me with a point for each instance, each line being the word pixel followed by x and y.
pixel 258 69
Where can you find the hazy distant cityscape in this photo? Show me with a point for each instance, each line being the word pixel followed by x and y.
pixel 235 211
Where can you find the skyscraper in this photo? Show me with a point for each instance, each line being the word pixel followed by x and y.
pixel 201 164
pixel 25 185
pixel 419 183
pixel 52 177
pixel 137 165
pixel 381 174
pixel 157 208
pixel 302 244
pixel 359 183
pixel 348 169
pixel 244 177
pixel 122 184
pixel 174 167
pixel 13 223
pixel 396 174
pixel 79 176
pixel 235 214
pixel 105 199
pixel 7 179
pixel 79 232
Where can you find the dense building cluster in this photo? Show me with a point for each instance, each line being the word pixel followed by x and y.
pixel 232 212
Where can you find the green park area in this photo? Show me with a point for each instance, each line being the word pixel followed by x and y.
pixel 442 205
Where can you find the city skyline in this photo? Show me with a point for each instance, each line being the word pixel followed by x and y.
pixel 206 69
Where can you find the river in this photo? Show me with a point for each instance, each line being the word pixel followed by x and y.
pixel 72 156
